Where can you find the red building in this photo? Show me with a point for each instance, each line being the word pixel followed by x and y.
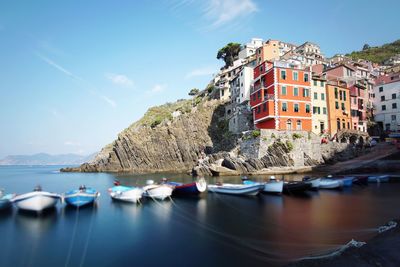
pixel 280 98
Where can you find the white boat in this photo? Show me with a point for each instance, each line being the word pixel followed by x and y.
pixel 378 179
pixel 273 187
pixel 157 191
pixel 330 184
pixel 250 189
pixel 37 200
pixel 126 193
pixel 315 182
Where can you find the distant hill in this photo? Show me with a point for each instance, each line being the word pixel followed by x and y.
pixel 46 159
pixel 377 54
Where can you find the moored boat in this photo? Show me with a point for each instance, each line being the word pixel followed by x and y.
pixel 328 183
pixel 37 200
pixel 5 200
pixel 378 179
pixel 193 188
pixel 360 180
pixel 315 182
pixel 157 191
pixel 125 193
pixel 81 197
pixel 296 187
pixel 347 181
pixel 250 189
pixel 272 186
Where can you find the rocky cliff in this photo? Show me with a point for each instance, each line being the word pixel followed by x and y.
pixel 170 137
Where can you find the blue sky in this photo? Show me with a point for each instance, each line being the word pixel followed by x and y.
pixel 75 73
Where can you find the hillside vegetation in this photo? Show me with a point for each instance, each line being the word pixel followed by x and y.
pixel 377 54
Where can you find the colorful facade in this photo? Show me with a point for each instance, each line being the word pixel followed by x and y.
pixel 358 101
pixel 338 103
pixel 319 105
pixel 281 97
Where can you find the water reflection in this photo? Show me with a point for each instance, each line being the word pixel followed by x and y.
pixel 36 224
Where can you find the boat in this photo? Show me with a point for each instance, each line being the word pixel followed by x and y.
pixel 125 193
pixel 378 179
pixel 315 182
pixel 5 200
pixel 347 181
pixel 81 197
pixel 329 183
pixel 296 187
pixel 157 191
pixel 360 180
pixel 194 188
pixel 248 189
pixel 37 200
pixel 272 186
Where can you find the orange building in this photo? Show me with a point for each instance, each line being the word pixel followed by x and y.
pixel 280 98
pixel 338 103
pixel 268 51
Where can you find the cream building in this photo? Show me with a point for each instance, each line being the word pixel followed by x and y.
pixel 319 104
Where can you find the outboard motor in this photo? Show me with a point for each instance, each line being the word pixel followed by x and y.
pixel 117 183
pixel 37 188
pixel 149 182
pixel 244 178
pixel 82 188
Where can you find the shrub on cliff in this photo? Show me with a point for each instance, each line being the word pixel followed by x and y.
pixel 296 136
pixel 256 133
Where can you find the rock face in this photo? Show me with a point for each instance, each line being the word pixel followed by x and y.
pixel 173 145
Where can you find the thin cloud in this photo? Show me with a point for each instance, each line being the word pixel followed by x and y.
pixel 109 101
pixel 71 143
pixel 76 78
pixel 158 88
pixel 221 12
pixel 205 71
pixel 119 79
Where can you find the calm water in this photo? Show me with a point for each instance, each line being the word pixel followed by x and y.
pixel 212 230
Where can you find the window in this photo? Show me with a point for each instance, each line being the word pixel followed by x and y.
pixel 324 110
pixel 283 90
pixel 381 89
pixel 298 125
pixel 296 107
pixel 289 124
pixel 337 105
pixel 261 68
pixel 394 105
pixel 306 77
pixel 265 107
pixel 322 83
pixel 340 95
pixel 354 100
pixel 344 124
pixel 308 108
pixel 322 96
pixel 336 93
pixel 338 124
pixel 343 108
pixel 314 110
pixel 393 117
pixel 258 110
pixel 296 91
pixel 382 98
pixel 284 106
pixel 306 92
pixel 315 83
pixel 259 94
pixel 315 96
pixel 344 95
pixel 393 96
pixel 283 74
pixel 383 107
pixel 295 75
pixel 254 97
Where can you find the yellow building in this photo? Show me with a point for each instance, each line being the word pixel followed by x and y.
pixel 268 51
pixel 319 105
pixel 338 103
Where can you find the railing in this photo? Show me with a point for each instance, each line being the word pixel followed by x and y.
pixel 269 97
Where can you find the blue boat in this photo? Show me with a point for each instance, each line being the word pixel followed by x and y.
pixel 190 188
pixel 347 181
pixel 81 197
pixel 5 200
pixel 379 179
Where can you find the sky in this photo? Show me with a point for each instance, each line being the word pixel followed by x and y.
pixel 73 74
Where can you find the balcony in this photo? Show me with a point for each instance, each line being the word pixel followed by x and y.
pixel 269 97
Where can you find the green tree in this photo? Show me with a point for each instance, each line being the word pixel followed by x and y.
pixel 194 91
pixel 228 53
pixel 366 47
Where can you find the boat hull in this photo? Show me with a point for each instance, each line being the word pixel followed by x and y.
pixel 80 199
pixel 378 179
pixel 158 192
pixel 233 189
pixel 194 188
pixel 330 184
pixel 296 187
pixel 273 187
pixel 126 194
pixel 36 201
pixel 5 201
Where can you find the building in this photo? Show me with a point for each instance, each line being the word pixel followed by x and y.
pixel 338 103
pixel 280 97
pixel 272 50
pixel 343 72
pixel 358 105
pixel 319 105
pixel 308 54
pixel 387 102
pixel 249 49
